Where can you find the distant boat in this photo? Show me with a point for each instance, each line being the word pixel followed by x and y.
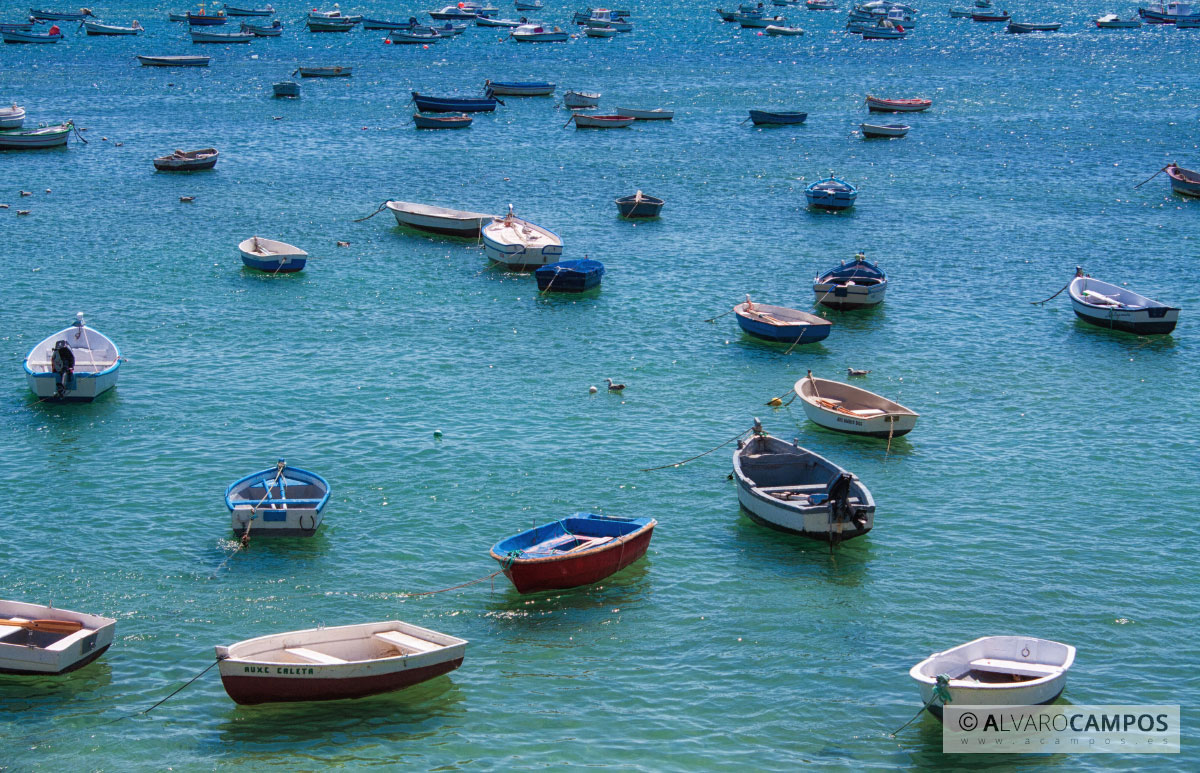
pixel 1020 27
pixel 370 659
pixel 427 104
pixel 881 105
pixel 187 160
pixel 177 17
pixel 788 488
pixel 605 31
pixel 853 410
pixel 528 5
pixel 1113 22
pixel 756 21
pixel 639 205
pixel 94 28
pixel 519 88
pixel 235 11
pixel 76 364
pixel 883 130
pixel 42 137
pixel 483 21
pixel 1183 181
pixel 380 24
pixel 961 12
pixel 578 99
pixel 520 244
pixel 994 671
pixel 16 36
pixel 990 14
pixel 883 30
pixel 589 121
pixel 461 12
pixel 859 284
pixel 774 118
pixel 325 72
pixel 821 5
pixel 580 549
pixel 41 640
pixel 280 501
pixel 1167 13
pixel 414 37
pixel 286 89
pixel 274 31
pixel 272 256
pixel 832 193
pixel 79 15
pixel 334 15
pixel 200 36
pixel 11 117
pixel 537 33
pixel 643 114
pixel 203 19
pixel 781 324
pixel 174 61
pixel 1110 306
pixel 569 276
pixel 1187 23
pixel 449 30
pixel 438 220
pixel 20 26
pixel 775 30
pixel 329 25
pixel 442 121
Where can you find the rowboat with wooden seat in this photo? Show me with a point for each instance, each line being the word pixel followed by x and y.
pixel 76 364
pixel 442 120
pixel 569 276
pixel 280 501
pixel 1183 181
pixel 588 121
pixel 438 220
pixel 881 105
pixel 791 489
pixel 859 284
pixel 994 671
pixel 272 256
pixel 580 549
pixel 174 61
pixel 38 639
pixel 852 410
pixel 11 117
pixel 519 88
pixel 188 160
pixel 781 324
pixel 520 244
pixel 1114 307
pixel 639 205
pixel 776 118
pixel 832 193
pixel 345 661
pixel 871 130
pixel 581 99
pixel 95 28
pixel 41 137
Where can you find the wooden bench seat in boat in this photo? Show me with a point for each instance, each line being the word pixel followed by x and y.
pixel 1014 667
pixel 312 656
pixel 866 413
pixel 409 645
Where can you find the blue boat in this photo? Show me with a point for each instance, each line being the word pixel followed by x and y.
pixel 1183 181
pixel 286 89
pixel 428 104
pixel 639 205
pixel 455 121
pixel 770 118
pixel 831 193
pixel 856 285
pixel 570 276
pixel 272 256
pixel 777 323
pixel 280 502
pixel 380 24
pixel 519 88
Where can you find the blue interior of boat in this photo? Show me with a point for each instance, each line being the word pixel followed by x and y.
pixel 571 533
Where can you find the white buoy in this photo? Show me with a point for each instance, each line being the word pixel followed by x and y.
pixel 592 390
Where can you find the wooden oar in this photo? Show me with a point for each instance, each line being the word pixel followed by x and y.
pixel 48 626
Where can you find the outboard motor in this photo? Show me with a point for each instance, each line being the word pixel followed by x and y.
pixel 838 495
pixel 62 364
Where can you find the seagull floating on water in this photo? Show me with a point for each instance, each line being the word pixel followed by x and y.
pixel 614 387
pixel 856 372
pixel 26 193
pixel 22 211
pixel 186 199
pixel 343 244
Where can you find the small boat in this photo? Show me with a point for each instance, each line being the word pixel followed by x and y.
pixel 580 549
pixel 329 25
pixel 345 661
pixel 528 5
pixel 76 364
pixel 11 117
pixel 600 32
pixel 427 104
pixel 187 160
pixel 1108 305
pixel 16 36
pixel 413 37
pixel 286 89
pixel 786 487
pixel 821 5
pixel 281 501
pixel 883 130
pixel 1167 13
pixel 990 14
pixel 774 30
pixel 1111 21
pixel 272 256
pixel 883 30
pixel 1022 27
pixel 483 21
pixel 380 24
pixel 536 33
pixel 334 15
pixel 586 121
pixel 461 12
pixel 775 118
pixel 200 36
pixel 755 21
pixel 177 17
pixel 725 15
pixel 519 88
pixel 961 12
pixel 845 408
pixel 174 61
pixel 231 10
pixel 569 276
pixel 442 121
pixel 203 19
pixel 995 671
pixel 642 114
pixel 94 28
pixel 42 137
pixel 581 99
pixel 639 205
pixel 781 324
pixel 20 26
pixel 880 105
pixel 832 193
pixel 1183 181
pixel 602 17
pixel 857 285
pixel 439 220
pixel 325 72
pixel 40 640
pixel 520 244
pixel 79 15
pixel 274 31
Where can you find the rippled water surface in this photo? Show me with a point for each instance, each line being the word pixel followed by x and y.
pixel 1047 490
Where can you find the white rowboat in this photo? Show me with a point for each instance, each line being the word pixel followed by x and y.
pixel 520 244
pixel 75 364
pixel 438 220
pixel 852 410
pixel 656 114
pixel 13 117
pixel 576 99
pixel 42 137
pixel 174 61
pixel 272 256
pixel 38 639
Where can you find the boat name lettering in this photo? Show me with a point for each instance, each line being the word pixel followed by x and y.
pixel 292 670
pixel 855 422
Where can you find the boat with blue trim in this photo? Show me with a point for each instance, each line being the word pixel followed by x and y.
pixel 857 285
pixel 832 193
pixel 1183 181
pixel 519 244
pixel 1114 307
pixel 569 276
pixel 442 121
pixel 53 35
pixel 776 118
pixel 76 364
pixel 232 10
pixel 428 104
pixel 42 137
pixel 272 256
pixel 281 501
pixel 519 88
pixel 79 15
pixel 781 324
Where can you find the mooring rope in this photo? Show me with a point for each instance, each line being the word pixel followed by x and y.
pixel 373 214
pixel 1052 297
pixel 1151 177
pixel 455 587
pixel 697 456
pixel 941 689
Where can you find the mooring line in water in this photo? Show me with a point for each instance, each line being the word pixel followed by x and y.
pixel 1151 177
pixel 941 689
pixel 697 456
pixel 455 587
pixel 373 214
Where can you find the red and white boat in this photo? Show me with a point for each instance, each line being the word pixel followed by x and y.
pixel 585 121
pixel 879 105
pixel 347 661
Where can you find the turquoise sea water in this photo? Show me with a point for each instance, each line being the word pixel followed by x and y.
pixel 1047 489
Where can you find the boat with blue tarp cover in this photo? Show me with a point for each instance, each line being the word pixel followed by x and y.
pixel 778 323
pixel 856 285
pixel 427 104
pixel 569 276
pixel 281 501
pixel 578 550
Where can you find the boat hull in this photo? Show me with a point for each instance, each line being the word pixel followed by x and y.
pixel 448 105
pixel 171 165
pixel 286 89
pixel 326 72
pixel 876 105
pixel 292 522
pixel 886 131
pixel 1139 322
pixel 572 276
pixel 82 387
pixel 36 653
pixel 895 425
pixel 442 121
pixel 286 264
pixel 521 89
pixel 767 118
pixel 440 220
pixel 33 139
pixel 285 687
pixel 572 570
pixel 632 208
pixel 1183 181
pixel 174 61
